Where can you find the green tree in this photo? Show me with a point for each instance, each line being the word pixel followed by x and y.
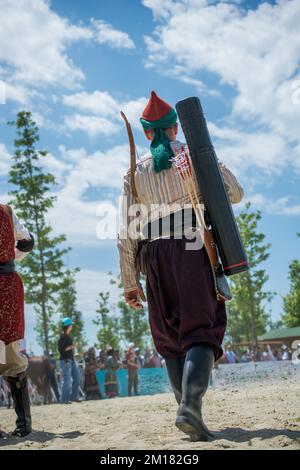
pixel 247 311
pixel 67 307
pixel 43 270
pixel 291 302
pixel 134 325
pixel 108 324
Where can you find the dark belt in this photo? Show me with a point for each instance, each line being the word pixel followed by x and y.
pixel 7 268
pixel 165 226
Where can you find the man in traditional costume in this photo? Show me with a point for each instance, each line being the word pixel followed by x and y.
pixel 110 379
pixel 187 320
pixel 132 368
pixel 91 386
pixel 15 243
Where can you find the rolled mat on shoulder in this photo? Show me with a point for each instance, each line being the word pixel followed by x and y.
pixel 211 182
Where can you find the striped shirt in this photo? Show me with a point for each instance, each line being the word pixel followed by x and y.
pixel 159 194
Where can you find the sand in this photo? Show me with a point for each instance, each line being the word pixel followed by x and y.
pixel 253 416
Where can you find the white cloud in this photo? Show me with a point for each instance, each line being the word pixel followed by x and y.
pixel 242 150
pixel 256 51
pixel 100 169
pixel 296 158
pixel 105 33
pixel 55 166
pixel 92 125
pixel 160 9
pixel 34 47
pixel 5 160
pixel 104 109
pixel 34 40
pixel 133 110
pixel 52 164
pixel 79 216
pixel 279 206
pixel 84 218
pixel 89 284
pixel 98 102
pixel 16 93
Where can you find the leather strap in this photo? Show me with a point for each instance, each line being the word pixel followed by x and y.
pixel 210 247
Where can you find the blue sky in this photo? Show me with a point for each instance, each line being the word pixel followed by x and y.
pixel 75 64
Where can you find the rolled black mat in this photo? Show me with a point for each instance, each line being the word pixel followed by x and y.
pixel 211 182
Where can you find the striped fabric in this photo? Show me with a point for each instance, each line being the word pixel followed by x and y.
pixel 159 194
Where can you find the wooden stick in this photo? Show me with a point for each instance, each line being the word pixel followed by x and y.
pixel 192 200
pixel 197 206
pixel 197 200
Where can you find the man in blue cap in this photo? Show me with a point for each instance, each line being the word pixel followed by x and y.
pixel 70 376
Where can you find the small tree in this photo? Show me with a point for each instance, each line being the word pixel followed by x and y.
pixel 43 270
pixel 291 302
pixel 248 317
pixel 134 325
pixel 108 333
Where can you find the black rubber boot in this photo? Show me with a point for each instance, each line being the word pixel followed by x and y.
pixel 20 395
pixel 196 374
pixel 175 372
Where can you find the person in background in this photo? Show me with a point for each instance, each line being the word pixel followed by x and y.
pixel 139 359
pixel 15 243
pixel 91 387
pixel 70 376
pixel 277 355
pixel 270 355
pixel 147 357
pixel 132 368
pixel 264 356
pixel 101 359
pixel 118 359
pixel 80 363
pixel 110 380
pixel 285 354
pixel 230 355
pixel 245 357
pixel 53 381
pixel 155 360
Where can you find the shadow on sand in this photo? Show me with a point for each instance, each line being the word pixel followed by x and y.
pixel 240 435
pixel 39 436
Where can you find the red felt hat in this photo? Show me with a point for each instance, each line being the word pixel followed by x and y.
pixel 156 108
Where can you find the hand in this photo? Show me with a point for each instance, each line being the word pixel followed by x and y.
pixel 132 297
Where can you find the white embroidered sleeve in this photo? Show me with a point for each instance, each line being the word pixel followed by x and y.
pixel 127 245
pixel 234 189
pixel 21 233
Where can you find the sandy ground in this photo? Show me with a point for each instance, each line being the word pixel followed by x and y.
pixel 254 416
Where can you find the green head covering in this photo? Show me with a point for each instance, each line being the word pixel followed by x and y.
pixel 160 146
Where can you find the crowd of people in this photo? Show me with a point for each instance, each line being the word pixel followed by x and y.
pixel 256 354
pixel 110 361
pixel 73 378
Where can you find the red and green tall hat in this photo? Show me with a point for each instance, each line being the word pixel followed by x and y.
pixel 157 116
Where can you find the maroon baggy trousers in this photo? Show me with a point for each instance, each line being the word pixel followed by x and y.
pixel 183 309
